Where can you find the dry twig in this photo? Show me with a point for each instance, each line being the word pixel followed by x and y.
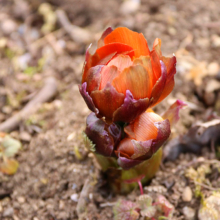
pixel 81 205
pixel 45 94
pixel 78 34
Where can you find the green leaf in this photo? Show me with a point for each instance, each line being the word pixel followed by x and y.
pixel 9 166
pixel 125 210
pixel 88 143
pixel 145 204
pixel 10 146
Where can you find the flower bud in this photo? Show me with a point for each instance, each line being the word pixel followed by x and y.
pixel 123 77
pixel 143 138
pixel 103 136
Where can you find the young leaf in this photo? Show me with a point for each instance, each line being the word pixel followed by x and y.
pixel 145 204
pixel 9 166
pixel 10 146
pixel 88 143
pixel 125 210
pixel 164 206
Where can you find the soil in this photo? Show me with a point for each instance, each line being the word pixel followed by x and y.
pixel 53 162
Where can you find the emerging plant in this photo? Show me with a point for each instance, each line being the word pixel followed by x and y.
pixel 8 148
pixel 121 81
pixel 161 209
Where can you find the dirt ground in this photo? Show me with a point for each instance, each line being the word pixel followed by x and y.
pixel 53 162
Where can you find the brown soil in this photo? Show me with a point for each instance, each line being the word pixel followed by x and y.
pixel 50 175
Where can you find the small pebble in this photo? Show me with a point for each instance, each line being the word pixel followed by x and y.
pixel 213 68
pixel 71 136
pixel 187 194
pixel 74 186
pixel 8 212
pixel 21 199
pixel 90 196
pixel 8 26
pixel 189 213
pixel 25 136
pixel 129 6
pixel 61 205
pixel 74 197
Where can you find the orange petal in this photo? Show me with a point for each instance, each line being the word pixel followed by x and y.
pixel 129 130
pixel 103 55
pixel 107 100
pixel 167 90
pixel 126 148
pixel 136 79
pixel 93 60
pixel 121 62
pixel 131 38
pixel 146 62
pixel 108 73
pixel 144 127
pixel 116 48
pixel 157 47
pixel 155 62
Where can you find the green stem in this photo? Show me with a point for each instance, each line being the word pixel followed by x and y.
pixel 123 181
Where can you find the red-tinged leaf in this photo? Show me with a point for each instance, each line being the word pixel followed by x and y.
pixel 125 210
pixel 172 114
pixel 164 206
pixel 131 108
pixel 104 35
pixel 141 148
pixel 159 86
pixel 127 163
pixel 87 97
pixel 102 135
pixel 93 78
pixel 9 166
pixel 170 64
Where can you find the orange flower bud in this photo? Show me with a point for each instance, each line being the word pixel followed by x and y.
pixel 143 138
pixel 123 77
